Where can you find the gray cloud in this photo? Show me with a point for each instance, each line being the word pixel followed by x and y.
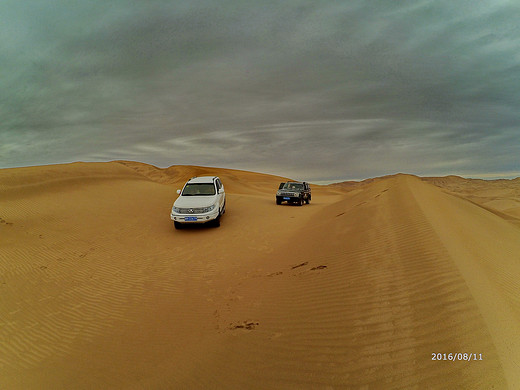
pixel 321 90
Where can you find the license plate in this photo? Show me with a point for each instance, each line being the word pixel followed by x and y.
pixel 286 198
pixel 190 218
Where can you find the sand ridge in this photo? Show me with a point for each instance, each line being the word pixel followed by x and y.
pixel 355 290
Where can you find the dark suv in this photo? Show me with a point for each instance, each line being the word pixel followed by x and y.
pixel 294 192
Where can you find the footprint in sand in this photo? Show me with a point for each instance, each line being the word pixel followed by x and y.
pixel 3 221
pixel 249 325
pixel 378 195
pixel 318 267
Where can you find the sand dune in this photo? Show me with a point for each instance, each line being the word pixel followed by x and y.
pixel 355 291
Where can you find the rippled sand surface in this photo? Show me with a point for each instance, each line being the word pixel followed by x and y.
pixel 357 290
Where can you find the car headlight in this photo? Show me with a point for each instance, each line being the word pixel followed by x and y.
pixel 176 210
pixel 208 209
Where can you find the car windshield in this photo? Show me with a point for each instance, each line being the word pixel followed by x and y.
pixel 293 186
pixel 198 189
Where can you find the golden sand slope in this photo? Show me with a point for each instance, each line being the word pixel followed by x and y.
pixel 355 291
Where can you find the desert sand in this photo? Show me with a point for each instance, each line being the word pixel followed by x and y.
pixel 357 290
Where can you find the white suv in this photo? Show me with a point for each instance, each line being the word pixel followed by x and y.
pixel 201 200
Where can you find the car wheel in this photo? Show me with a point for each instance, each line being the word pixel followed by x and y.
pixel 278 201
pixel 216 221
pixel 177 225
pixel 299 202
pixel 308 200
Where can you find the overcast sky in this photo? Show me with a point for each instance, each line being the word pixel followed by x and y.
pixel 316 90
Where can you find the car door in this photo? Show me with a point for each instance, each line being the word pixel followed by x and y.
pixel 221 194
